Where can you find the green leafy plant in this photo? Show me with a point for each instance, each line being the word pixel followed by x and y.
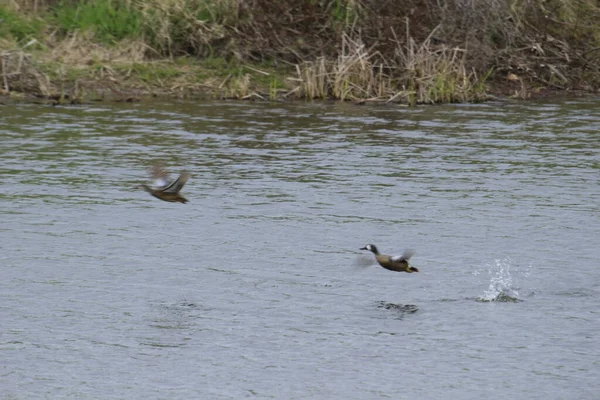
pixel 109 20
pixel 19 27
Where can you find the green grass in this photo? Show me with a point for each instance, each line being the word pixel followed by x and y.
pixel 345 12
pixel 151 73
pixel 56 71
pixel 109 20
pixel 19 27
pixel 217 63
pixel 215 11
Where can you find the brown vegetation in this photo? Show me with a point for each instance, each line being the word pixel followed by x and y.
pixel 410 51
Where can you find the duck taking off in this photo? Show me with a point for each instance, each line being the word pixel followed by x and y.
pixel 165 189
pixel 393 263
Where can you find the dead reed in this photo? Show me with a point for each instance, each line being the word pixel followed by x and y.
pixel 19 73
pixel 418 74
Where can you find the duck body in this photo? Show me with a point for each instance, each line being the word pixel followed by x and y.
pixel 165 190
pixel 163 195
pixel 393 263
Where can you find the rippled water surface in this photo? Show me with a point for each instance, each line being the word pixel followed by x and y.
pixel 256 287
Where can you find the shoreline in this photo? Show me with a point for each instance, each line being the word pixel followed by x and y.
pixel 34 81
pixel 357 51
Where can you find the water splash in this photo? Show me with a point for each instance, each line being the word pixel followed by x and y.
pixel 502 288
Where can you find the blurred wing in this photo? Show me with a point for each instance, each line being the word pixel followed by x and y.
pixel 177 184
pixel 158 172
pixel 161 183
pixel 364 260
pixel 405 256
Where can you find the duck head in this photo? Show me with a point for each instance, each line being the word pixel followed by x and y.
pixel 371 247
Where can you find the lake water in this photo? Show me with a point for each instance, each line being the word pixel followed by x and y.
pixel 257 288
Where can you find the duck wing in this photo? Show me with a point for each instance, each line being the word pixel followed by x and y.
pixel 159 174
pixel 404 257
pixel 177 184
pixel 364 261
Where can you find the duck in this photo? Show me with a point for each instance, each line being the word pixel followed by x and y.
pixel 393 263
pixel 165 189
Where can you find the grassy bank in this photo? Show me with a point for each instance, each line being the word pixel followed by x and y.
pixel 409 51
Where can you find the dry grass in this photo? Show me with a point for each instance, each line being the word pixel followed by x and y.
pixel 80 50
pixel 419 73
pixel 437 73
pixel 30 5
pixel 313 77
pixel 357 74
pixel 19 73
pixel 174 27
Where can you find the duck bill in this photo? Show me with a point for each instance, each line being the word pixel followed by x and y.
pixel 363 248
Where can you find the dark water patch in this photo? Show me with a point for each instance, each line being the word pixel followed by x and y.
pixel 225 271
pixel 182 306
pixel 162 345
pixel 188 304
pixel 578 292
pixel 180 315
pixel 168 326
pixel 399 310
pixel 101 343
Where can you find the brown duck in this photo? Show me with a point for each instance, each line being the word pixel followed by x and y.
pixel 166 190
pixel 393 263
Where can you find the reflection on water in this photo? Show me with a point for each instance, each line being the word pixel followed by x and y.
pixel 254 286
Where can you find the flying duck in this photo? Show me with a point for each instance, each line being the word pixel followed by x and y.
pixel 166 190
pixel 393 263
